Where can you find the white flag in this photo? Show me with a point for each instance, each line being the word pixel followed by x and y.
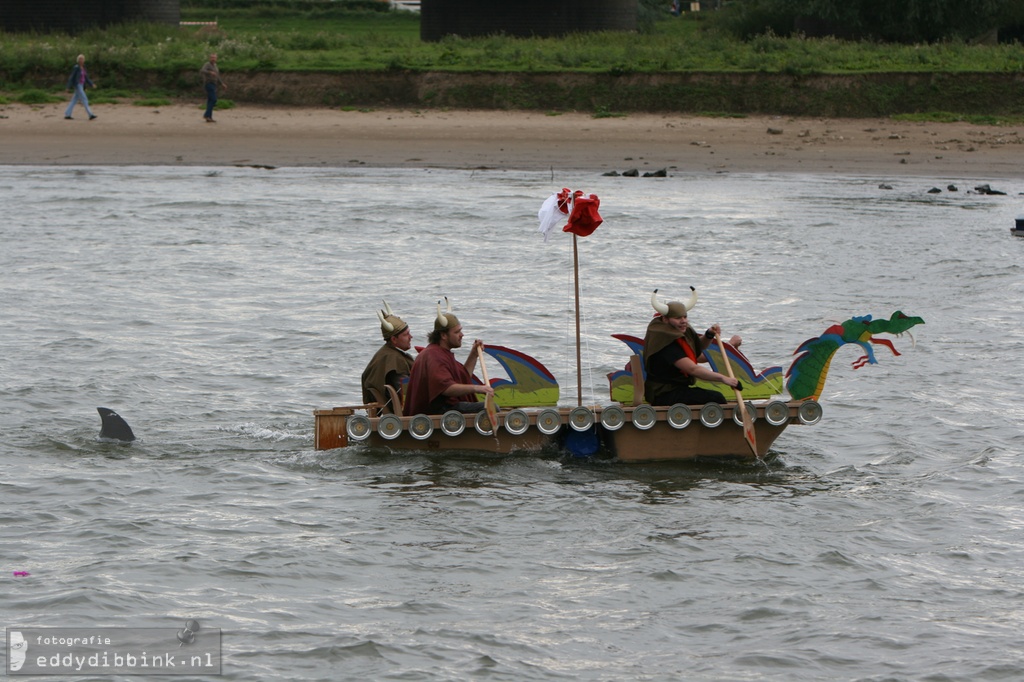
pixel 549 216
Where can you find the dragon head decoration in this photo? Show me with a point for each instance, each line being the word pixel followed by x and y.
pixel 806 376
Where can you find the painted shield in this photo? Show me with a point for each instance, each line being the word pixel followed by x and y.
pixel 776 413
pixel 517 422
pixel 453 423
pixel 581 418
pixel 711 415
pixel 612 418
pixel 421 427
pixel 738 417
pixel 809 412
pixel 679 416
pixel 482 424
pixel 389 426
pixel 549 421
pixel 644 417
pixel 358 427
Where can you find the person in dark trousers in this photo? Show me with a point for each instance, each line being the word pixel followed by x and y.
pixel 211 82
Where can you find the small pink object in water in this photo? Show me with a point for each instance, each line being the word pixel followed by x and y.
pixel 21 574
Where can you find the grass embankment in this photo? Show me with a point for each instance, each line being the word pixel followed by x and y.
pixel 379 60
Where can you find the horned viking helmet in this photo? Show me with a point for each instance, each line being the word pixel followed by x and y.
pixel 445 321
pixel 673 308
pixel 390 324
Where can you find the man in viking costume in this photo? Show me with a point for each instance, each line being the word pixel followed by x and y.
pixel 391 364
pixel 672 353
pixel 439 382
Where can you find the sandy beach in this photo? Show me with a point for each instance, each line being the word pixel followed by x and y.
pixel 124 134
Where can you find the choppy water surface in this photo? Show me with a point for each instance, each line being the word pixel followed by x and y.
pixel 216 308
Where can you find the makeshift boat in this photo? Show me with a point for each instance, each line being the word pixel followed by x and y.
pixel 531 420
pixel 1018 227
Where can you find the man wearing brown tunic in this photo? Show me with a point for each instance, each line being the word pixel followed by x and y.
pixel 391 364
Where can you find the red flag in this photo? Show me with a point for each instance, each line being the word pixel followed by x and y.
pixel 583 218
pixel 582 212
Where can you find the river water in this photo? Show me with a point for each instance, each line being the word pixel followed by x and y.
pixel 216 308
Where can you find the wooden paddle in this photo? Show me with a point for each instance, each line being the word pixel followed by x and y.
pixel 748 423
pixel 492 411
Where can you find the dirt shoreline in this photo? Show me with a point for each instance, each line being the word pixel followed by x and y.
pixel 276 136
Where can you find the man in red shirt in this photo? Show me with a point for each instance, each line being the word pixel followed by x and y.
pixel 438 381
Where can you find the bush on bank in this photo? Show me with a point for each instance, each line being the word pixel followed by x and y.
pixel 309 37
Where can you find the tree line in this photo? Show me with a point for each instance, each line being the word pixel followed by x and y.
pixel 896 21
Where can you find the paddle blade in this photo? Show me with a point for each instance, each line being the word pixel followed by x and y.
pixel 492 414
pixel 492 411
pixel 748 425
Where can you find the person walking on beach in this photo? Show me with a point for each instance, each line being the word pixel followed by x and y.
pixel 77 82
pixel 211 81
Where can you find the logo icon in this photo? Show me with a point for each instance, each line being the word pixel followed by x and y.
pixel 187 635
pixel 19 647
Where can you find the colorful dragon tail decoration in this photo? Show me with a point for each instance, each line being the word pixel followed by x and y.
pixel 806 376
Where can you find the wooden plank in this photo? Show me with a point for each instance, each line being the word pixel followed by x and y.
pixel 637 368
pixel 330 431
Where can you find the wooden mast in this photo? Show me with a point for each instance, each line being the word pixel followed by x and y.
pixel 576 278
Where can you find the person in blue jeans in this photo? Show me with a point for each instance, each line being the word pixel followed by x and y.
pixel 211 81
pixel 77 82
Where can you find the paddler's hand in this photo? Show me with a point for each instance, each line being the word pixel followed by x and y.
pixel 478 348
pixel 716 330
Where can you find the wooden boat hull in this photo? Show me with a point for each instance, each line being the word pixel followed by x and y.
pixel 332 432
pixel 666 440
pixel 632 434
pixel 663 442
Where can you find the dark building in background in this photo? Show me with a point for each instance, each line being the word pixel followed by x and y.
pixel 524 18
pixel 75 15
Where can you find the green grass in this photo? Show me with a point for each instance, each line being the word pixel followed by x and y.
pixel 34 96
pixel 273 39
pixel 602 112
pixel 720 114
pixel 949 117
